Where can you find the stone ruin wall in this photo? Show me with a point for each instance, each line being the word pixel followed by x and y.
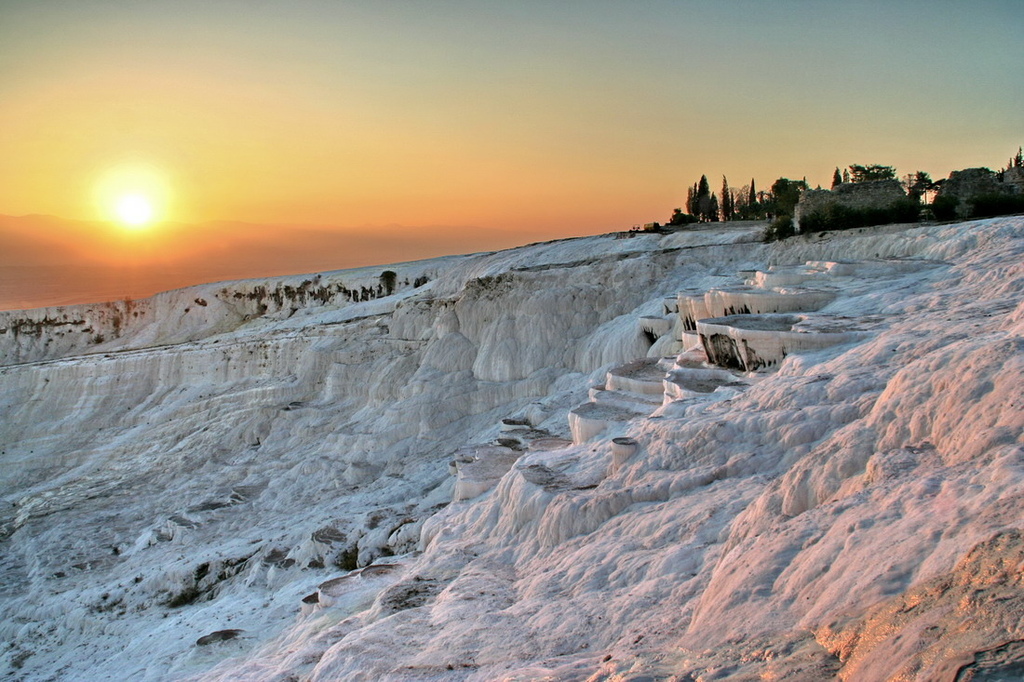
pixel 965 185
pixel 1013 179
pixel 972 182
pixel 858 195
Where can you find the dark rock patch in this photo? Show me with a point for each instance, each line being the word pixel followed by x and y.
pixel 409 595
pixel 218 636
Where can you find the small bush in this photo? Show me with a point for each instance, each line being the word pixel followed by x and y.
pixel 991 205
pixel 680 218
pixel 905 211
pixel 981 206
pixel 780 228
pixel 832 217
pixel 944 208
pixel 838 217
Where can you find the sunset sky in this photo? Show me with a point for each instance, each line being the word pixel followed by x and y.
pixel 519 119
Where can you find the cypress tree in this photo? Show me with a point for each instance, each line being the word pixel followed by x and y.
pixel 836 178
pixel 704 199
pixel 727 208
pixel 703 189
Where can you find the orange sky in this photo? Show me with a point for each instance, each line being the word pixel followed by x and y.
pixel 531 118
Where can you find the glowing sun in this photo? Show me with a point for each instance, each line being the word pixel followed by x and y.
pixel 135 196
pixel 135 210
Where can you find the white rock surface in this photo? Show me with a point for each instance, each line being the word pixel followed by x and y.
pixel 854 513
pixel 748 300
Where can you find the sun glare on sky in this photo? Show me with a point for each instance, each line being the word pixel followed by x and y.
pixel 134 196
pixel 135 210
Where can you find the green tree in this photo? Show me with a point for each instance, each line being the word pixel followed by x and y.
pixel 747 206
pixel 750 204
pixel 837 179
pixel 785 195
pixel 703 200
pixel 846 175
pixel 871 173
pixel 727 203
pixel 917 184
pixel 692 207
pixel 739 202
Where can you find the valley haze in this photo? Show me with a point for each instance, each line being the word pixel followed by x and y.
pixel 517 466
pixel 47 261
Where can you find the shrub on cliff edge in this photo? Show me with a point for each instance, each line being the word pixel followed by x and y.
pixel 780 228
pixel 838 217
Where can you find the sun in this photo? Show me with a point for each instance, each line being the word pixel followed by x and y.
pixel 135 196
pixel 135 210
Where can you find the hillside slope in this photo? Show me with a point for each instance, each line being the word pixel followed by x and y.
pixel 265 493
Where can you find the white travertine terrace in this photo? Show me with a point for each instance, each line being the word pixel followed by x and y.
pixel 623 448
pixel 656 325
pixel 688 382
pixel 786 276
pixel 851 513
pixel 748 300
pixel 827 271
pixel 479 468
pixel 640 387
pixel 633 389
pixel 635 402
pixel 640 376
pixel 548 443
pixel 750 342
pixel 724 319
pixel 590 420
pixel 692 307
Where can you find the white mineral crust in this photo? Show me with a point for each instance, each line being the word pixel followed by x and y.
pixel 257 487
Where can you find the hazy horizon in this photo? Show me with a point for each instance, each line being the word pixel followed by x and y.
pixel 48 261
